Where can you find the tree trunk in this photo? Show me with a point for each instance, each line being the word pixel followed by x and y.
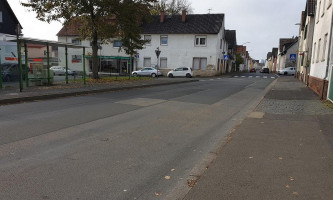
pixel 95 56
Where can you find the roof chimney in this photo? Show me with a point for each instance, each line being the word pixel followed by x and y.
pixel 162 16
pixel 183 15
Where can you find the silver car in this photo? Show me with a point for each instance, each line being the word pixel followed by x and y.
pixel 147 71
pixel 60 70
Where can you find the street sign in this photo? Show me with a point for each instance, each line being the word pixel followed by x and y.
pixel 292 57
pixel 226 57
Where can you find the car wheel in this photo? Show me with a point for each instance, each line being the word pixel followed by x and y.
pixel 188 76
pixel 135 74
pixel 285 73
pixel 153 75
pixel 170 75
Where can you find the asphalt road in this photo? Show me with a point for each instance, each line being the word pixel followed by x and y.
pixel 135 144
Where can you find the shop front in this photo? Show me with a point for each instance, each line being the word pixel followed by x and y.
pixel 113 65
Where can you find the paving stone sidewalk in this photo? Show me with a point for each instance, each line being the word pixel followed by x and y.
pixel 282 150
pixel 74 89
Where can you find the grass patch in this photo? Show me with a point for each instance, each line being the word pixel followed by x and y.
pixel 328 104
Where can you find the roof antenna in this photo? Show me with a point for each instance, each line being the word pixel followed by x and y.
pixel 209 10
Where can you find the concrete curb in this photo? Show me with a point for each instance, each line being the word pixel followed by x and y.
pixel 86 92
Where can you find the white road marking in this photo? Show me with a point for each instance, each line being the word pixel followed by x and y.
pixel 265 77
pixel 236 76
pixel 250 76
pixel 243 76
pixel 257 76
pixel 272 77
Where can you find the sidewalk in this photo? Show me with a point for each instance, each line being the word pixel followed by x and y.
pixel 282 150
pixel 51 92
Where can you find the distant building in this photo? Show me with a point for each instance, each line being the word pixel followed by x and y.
pixel 8 27
pixel 287 46
pixel 306 41
pixel 230 36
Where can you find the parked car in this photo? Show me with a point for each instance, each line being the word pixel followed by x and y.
pixel 264 70
pixel 60 70
pixel 253 70
pixel 11 72
pixel 287 71
pixel 181 72
pixel 147 71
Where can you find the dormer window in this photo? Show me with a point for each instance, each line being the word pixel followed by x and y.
pixel 201 40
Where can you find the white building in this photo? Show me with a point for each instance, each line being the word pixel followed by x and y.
pixel 195 41
pixel 306 40
pixel 320 62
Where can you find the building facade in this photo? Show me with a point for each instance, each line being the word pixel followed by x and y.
pixel 195 41
pixel 320 60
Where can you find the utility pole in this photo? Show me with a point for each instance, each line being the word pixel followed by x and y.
pixel 19 60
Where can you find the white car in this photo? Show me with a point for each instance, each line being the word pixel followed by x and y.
pixel 181 72
pixel 60 70
pixel 287 71
pixel 147 71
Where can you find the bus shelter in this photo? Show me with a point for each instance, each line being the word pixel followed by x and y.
pixel 42 74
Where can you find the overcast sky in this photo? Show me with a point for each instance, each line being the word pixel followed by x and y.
pixel 260 22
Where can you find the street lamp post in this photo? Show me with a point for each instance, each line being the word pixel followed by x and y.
pixel 158 52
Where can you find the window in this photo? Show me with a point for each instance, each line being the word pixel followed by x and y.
pixel 147 62
pixel 117 43
pixel 318 51
pixel 76 59
pixel 164 63
pixel 164 40
pixel 221 44
pixel 148 39
pixel 324 6
pixel 314 52
pixel 306 32
pixel 0 16
pixel 76 41
pixel 318 11
pixel 200 63
pixel 200 40
pixel 324 48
